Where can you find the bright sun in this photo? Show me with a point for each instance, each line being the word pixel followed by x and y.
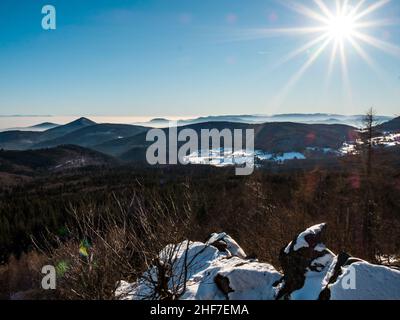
pixel 342 25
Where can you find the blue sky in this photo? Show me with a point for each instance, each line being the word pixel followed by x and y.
pixel 182 58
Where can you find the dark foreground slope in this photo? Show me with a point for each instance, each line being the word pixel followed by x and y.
pixel 93 135
pixel 391 126
pixel 55 159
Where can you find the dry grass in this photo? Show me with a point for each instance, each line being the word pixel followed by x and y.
pixel 105 246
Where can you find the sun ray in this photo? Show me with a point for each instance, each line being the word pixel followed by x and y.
pixel 345 71
pixel 379 44
pixel 364 55
pixel 302 49
pixel 356 8
pixel 338 7
pixel 304 11
pixel 324 8
pixel 332 58
pixel 293 31
pixel 371 9
pixel 297 76
pixel 376 23
pixel 262 33
pixel 344 7
pixel 343 60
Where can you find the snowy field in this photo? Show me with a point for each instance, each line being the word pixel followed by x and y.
pixel 222 158
pixel 227 157
pixel 387 140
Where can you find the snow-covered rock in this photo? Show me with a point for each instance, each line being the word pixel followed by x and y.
pixel 175 264
pixel 311 271
pixel 306 238
pixel 371 282
pixel 223 242
pixel 215 270
pixel 305 262
pixel 354 279
pixel 233 279
pixel 219 270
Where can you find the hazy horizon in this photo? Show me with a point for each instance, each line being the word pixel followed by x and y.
pixel 8 122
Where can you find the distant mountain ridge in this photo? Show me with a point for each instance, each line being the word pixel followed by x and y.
pixel 307 118
pixel 45 125
pixel 159 120
pixel 67 128
pixel 38 127
pixel 55 159
pixel 22 140
pixel 93 135
pixel 128 142
pixel 392 125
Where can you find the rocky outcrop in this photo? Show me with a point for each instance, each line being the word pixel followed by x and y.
pixel 341 261
pixel 311 271
pixel 220 270
pixel 304 260
pixel 225 243
pixel 354 279
pixel 215 270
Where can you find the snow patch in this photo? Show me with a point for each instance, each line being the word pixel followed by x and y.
pixel 387 140
pixel 227 157
pixel 248 280
pixel 372 282
pixel 301 241
pixel 232 246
